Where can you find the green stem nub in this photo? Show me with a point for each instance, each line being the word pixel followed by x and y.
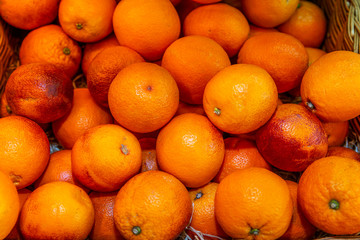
pixel 66 51
pixel 217 111
pixel 136 230
pixel 334 204
pixel 199 195
pixel 124 149
pixel 254 231
pixel 299 5
pixel 79 26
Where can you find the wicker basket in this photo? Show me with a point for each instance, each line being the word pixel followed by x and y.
pixel 343 33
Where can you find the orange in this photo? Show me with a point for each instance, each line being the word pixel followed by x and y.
pixel 4 107
pixel 143 97
pixel 190 148
pixel 221 22
pixel 15 232
pixel 105 157
pixel 314 54
pixel 140 25
pixel 57 210
pixel 336 132
pixel 29 14
pixel 328 194
pixel 339 101
pixel 240 153
pixel 190 108
pixel 104 68
pixel 193 61
pixel 261 208
pixel 59 169
pixel 203 217
pixel 292 139
pixel 148 154
pixel 50 44
pixel 85 113
pixel 281 55
pixel 240 98
pixel 39 91
pixel 300 228
pixel 104 225
pixel 92 49
pixel 308 24
pixel 255 30
pixel 86 20
pixel 268 13
pixel 343 152
pixel 24 150
pixel 9 205
pixel 152 205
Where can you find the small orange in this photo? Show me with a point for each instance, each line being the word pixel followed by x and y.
pixel 193 61
pixel 221 22
pixel 255 30
pixel 343 152
pixel 104 68
pixel 152 205
pixel 85 113
pixel 105 157
pixel 239 153
pixel 104 225
pixel 268 13
pixel 86 20
pixel 24 150
pixel 290 63
pixel 50 44
pixel 240 98
pixel 336 132
pixel 253 203
pixel 57 210
pixel 143 97
pixel 190 108
pixel 203 217
pixel 140 25
pixel 148 154
pixel 9 205
pixel 190 148
pixel 308 24
pixel 328 194
pixel 339 101
pixel 314 54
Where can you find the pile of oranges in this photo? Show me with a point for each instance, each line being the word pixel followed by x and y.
pixel 181 131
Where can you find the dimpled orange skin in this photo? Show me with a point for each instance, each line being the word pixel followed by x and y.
pixel 9 205
pixel 57 210
pixel 155 202
pixel 339 73
pixel 292 139
pixel 325 182
pixel 253 200
pixel 190 148
pixel 245 95
pixel 343 152
pixel 24 150
pixel 336 132
pixel 105 157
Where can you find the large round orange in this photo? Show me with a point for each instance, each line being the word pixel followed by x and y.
pixel 308 24
pixel 239 154
pixel 57 210
pixel 336 132
pixel 104 225
pixel 152 205
pixel 268 13
pixel 143 97
pixel 85 113
pixel 240 98
pixel 190 148
pixel 253 203
pixel 343 152
pixel 50 44
pixel 221 22
pixel 104 68
pixel 105 157
pixel 193 61
pixel 141 25
pixel 203 218
pixel 29 14
pixel 328 194
pixel 86 20
pixel 281 55
pixel 9 205
pixel 339 101
pixel 24 150
pixel 292 139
